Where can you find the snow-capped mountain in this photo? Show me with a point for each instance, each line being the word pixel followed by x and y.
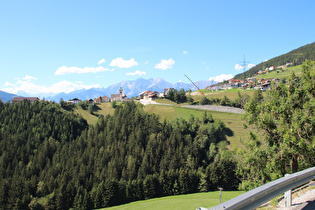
pixel 130 88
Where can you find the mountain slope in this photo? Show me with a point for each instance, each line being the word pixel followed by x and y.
pixel 296 57
pixel 4 96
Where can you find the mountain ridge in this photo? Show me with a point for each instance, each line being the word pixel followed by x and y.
pixel 296 57
pixel 5 97
pixel 131 88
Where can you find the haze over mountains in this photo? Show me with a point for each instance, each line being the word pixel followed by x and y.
pixel 130 88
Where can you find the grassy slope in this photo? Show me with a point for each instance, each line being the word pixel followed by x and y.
pixel 282 74
pixel 104 109
pixel 231 120
pixel 189 202
pixel 230 94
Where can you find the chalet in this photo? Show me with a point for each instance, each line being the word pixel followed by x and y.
pixel 213 87
pixel 266 85
pixel 98 100
pixel 31 99
pixel 90 101
pixel 102 99
pixel 144 95
pixel 148 95
pixel 74 101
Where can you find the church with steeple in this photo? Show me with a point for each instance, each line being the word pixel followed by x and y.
pixel 118 97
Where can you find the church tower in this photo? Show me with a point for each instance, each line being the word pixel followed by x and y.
pixel 120 93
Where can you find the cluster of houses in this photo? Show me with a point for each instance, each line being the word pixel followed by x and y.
pixel 244 84
pixel 271 68
pixel 104 99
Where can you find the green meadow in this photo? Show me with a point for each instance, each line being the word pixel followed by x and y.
pixel 232 121
pixel 181 202
pixel 285 73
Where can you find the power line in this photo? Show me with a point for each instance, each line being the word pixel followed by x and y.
pixel 244 63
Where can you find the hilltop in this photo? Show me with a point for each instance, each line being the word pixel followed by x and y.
pixel 292 58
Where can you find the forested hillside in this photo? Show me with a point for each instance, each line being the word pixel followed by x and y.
pixel 296 57
pixel 51 158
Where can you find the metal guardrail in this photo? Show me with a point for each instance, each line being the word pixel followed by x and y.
pixel 256 197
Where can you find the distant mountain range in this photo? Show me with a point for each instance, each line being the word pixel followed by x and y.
pixel 4 96
pixel 130 88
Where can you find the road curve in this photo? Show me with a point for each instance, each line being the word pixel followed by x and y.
pixel 217 108
pixel 204 107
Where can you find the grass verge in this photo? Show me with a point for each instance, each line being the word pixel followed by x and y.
pixel 183 202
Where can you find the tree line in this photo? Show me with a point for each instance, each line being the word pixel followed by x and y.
pixel 51 158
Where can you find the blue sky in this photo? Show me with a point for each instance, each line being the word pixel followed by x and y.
pixel 51 46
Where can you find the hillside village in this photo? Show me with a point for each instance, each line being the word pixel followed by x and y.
pixel 244 84
pixel 262 84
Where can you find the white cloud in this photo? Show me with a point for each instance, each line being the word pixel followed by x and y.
pixel 28 77
pixel 9 84
pixel 121 63
pixel 101 61
pixel 241 67
pixel 70 70
pixel 185 52
pixel 238 67
pixel 165 64
pixel 34 89
pixel 136 73
pixel 251 65
pixel 221 77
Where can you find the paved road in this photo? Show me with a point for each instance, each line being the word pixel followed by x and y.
pixel 205 107
pixel 217 108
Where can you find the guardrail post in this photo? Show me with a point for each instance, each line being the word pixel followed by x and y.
pixel 288 196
